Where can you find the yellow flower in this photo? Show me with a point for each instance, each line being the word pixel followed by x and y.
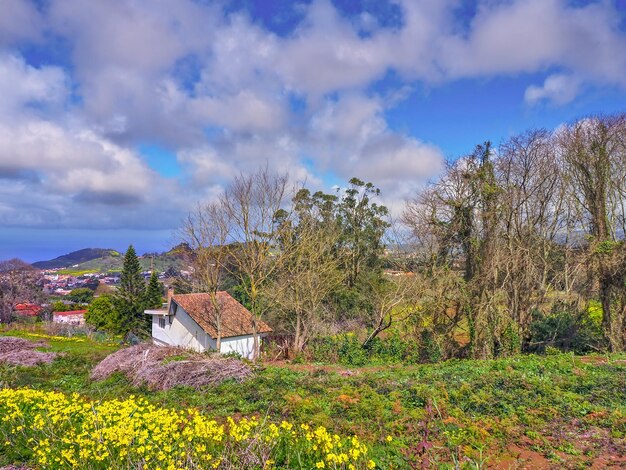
pixel 101 433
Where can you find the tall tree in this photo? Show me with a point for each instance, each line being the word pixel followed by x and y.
pixel 310 270
pixel 206 232
pixel 363 223
pixel 130 296
pixel 534 216
pixel 250 204
pixel 154 292
pixel 460 214
pixel 595 154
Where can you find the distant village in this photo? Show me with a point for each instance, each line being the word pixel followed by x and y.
pixel 58 287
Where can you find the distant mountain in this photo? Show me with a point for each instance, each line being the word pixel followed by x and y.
pixel 98 260
pixel 76 257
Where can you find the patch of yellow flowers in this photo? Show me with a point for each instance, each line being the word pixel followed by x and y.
pixel 54 430
pixel 57 338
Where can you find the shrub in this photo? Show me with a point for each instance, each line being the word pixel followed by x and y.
pixel 102 315
pixel 566 329
pixel 82 295
pixel 430 349
pixel 347 349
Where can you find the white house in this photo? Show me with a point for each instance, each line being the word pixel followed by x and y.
pixel 73 317
pixel 189 321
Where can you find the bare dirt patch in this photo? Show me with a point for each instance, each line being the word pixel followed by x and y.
pixel 21 352
pixel 162 368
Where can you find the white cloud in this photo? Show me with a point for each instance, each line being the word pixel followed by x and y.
pixel 22 85
pixel 300 102
pixel 527 36
pixel 558 89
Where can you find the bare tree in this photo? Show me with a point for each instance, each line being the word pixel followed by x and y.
pixel 394 299
pixel 18 284
pixel 594 152
pixel 206 232
pixel 250 204
pixel 533 217
pixel 308 274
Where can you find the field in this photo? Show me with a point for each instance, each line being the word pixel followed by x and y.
pixel 555 411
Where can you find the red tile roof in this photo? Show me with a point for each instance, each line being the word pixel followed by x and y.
pixel 237 320
pixel 28 310
pixel 71 312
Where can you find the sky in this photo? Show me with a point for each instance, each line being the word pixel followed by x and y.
pixel 118 116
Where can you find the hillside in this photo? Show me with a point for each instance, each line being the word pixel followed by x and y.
pixel 97 260
pixel 76 257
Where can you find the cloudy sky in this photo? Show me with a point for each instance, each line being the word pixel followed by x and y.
pixel 117 116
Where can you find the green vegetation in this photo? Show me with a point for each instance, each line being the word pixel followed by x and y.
pixel 101 314
pixel 556 410
pixel 82 295
pixel 154 292
pixel 123 312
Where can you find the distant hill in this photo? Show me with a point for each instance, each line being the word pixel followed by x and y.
pixel 97 260
pixel 76 257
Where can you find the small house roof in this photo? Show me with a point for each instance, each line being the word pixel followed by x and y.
pixel 70 312
pixel 237 320
pixel 27 310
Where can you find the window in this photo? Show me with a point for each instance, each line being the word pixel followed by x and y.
pixel 161 322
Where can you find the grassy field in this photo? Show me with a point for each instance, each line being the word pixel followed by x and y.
pixel 556 411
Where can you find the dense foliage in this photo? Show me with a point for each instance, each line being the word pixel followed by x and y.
pixel 123 312
pixel 82 295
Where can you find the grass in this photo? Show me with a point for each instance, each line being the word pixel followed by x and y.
pixel 559 409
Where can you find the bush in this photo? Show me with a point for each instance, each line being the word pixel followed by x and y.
pixel 566 329
pixel 347 349
pixel 344 349
pixel 82 295
pixel 430 349
pixel 102 315
pixel 59 306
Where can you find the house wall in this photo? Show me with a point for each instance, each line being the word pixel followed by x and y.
pixel 243 345
pixel 186 333
pixel 69 319
pixel 183 332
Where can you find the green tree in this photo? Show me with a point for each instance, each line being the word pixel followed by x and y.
pixel 59 306
pixel 82 295
pixel 154 292
pixel 363 223
pixel 129 300
pixel 102 315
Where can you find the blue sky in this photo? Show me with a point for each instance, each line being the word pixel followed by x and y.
pixel 118 117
